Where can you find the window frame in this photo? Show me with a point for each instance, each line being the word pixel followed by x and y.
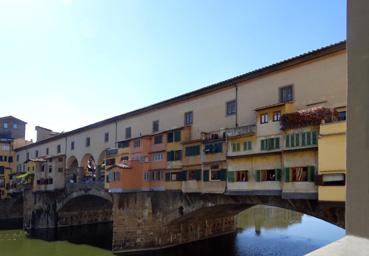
pixel 281 100
pixel 277 116
pixel 155 126
pixel 231 107
pixel 188 118
pixel 264 118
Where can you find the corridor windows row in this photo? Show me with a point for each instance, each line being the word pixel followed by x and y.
pixel 302 139
pixel 8 159
pixel 270 144
pixel 246 146
pixel 152 176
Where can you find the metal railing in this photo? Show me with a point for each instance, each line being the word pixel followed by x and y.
pixel 242 130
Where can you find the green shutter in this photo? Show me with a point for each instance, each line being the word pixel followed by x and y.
pixel 311 173
pixel 297 139
pixel 292 140
pixel 278 174
pixel 262 144
pixel 277 143
pixel 303 139
pixel 177 136
pixel 287 174
pixel 257 175
pixel 230 176
pixel 223 174
pixel 314 135
pixel 271 144
pixel 287 141
pixel 308 138
pixel 206 175
pixel 249 145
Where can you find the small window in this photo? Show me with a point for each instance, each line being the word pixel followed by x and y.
pixel 58 149
pixel 128 132
pixel 72 145
pixel 177 136
pixel 158 139
pixel 188 118
pixel 170 137
pixel 5 125
pixel 236 147
pixel 286 94
pixel 277 116
pixel 106 137
pixel 136 143
pixel 15 125
pixel 123 144
pixel 192 150
pixel 36 153
pixel 17 158
pixel 50 168
pixel 341 115
pixel 231 107
pixel 27 156
pixel 47 151
pixel 157 156
pixel 88 141
pixel 247 145
pixel 264 118
pixel 241 176
pixel 155 126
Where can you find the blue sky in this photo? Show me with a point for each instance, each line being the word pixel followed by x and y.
pixel 69 63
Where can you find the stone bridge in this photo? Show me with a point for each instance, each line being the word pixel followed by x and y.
pixel 156 220
pixel 77 204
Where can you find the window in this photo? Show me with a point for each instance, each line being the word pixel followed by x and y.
pixel 124 158
pixel 15 125
pixel 10 159
pixel 106 137
pixel 88 141
pixel 174 155
pixel 298 174
pixel 236 147
pixel 216 147
pixel 193 150
pixel 158 139
pixel 50 168
pixel 47 151
pixel 218 174
pixel 155 126
pixel 136 143
pixel 269 175
pixel 270 144
pixel 333 179
pixel 128 132
pixel 123 144
pixel 341 115
pixel 17 158
pixel 247 145
pixel 264 118
pixel 110 161
pixel 170 137
pixel 286 94
pixel 194 175
pixel 188 118
pixel 177 136
pixel 58 148
pixel 36 153
pixel 27 155
pixel 242 176
pixel 72 145
pixel 5 125
pixel 277 116
pixel 231 107
pixel 157 156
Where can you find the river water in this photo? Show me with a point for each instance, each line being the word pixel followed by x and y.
pixel 261 230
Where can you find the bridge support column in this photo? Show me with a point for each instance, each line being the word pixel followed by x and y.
pixel 149 221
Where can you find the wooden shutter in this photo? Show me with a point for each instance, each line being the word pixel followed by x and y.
pixel 230 176
pixel 287 174
pixel 262 144
pixel 303 139
pixel 277 143
pixel 206 175
pixel 278 175
pixel 257 175
pixel 297 139
pixel 311 173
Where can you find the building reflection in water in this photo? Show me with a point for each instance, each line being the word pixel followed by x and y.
pixel 267 217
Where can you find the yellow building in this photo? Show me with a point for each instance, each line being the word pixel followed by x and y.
pixel 7 166
pixel 332 162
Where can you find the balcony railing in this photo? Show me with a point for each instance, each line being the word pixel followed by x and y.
pixel 242 130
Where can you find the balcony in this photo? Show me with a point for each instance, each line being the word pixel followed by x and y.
pixel 242 130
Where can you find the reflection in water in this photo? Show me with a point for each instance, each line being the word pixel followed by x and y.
pixel 267 217
pixel 262 230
